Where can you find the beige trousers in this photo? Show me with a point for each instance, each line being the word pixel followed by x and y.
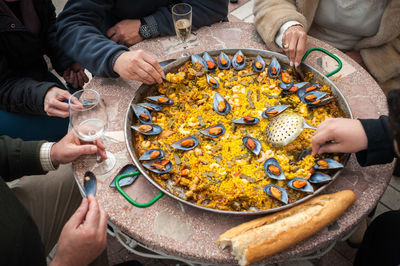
pixel 51 199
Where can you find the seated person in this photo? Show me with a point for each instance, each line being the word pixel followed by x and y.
pixel 31 97
pixel 97 33
pixel 375 141
pixel 368 31
pixel 36 210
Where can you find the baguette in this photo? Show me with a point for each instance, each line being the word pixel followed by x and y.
pixel 263 237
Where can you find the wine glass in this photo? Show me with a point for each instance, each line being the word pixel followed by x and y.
pixel 89 120
pixel 182 18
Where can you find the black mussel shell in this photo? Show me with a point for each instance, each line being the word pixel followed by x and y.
pixel 319 177
pixel 304 153
pixel 207 133
pixel 259 64
pixel 198 62
pixel 127 169
pixel 284 84
pixel 181 144
pixel 316 95
pixel 213 82
pixel 282 196
pixel 239 65
pixel 327 164
pixel 305 185
pixel 307 88
pixel 257 145
pixel 274 64
pixel 159 166
pixel 295 88
pixel 160 99
pixel 246 120
pixel 227 65
pixel 89 183
pixel 210 62
pixel 320 102
pixel 147 155
pixel 142 114
pixel 274 111
pixel 220 108
pixel 155 130
pixel 274 175
pixel 151 106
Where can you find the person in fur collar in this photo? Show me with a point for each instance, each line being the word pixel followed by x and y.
pixel 368 31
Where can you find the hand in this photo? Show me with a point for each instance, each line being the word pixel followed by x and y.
pixel 294 43
pixel 84 236
pixel 138 65
pixel 339 135
pixel 54 104
pixel 75 75
pixel 125 32
pixel 356 56
pixel 71 147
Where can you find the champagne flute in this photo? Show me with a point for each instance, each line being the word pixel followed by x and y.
pixel 89 120
pixel 182 18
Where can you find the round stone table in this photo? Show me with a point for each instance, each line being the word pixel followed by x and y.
pixel 174 229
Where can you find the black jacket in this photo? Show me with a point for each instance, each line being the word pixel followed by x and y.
pixel 22 66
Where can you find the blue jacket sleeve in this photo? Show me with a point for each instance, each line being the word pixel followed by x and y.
pixel 380 142
pixel 80 36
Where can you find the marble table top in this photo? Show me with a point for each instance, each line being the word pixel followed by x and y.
pixel 180 230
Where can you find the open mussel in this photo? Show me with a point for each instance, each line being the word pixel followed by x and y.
pixel 198 62
pixel 127 169
pixel 259 64
pixel 159 166
pixel 160 99
pixel 318 178
pixel 210 62
pixel 246 120
pixel 300 184
pixel 223 61
pixel 304 153
pixel 273 169
pixel 214 131
pixel 295 88
pixel 274 111
pixel 148 129
pixel 320 102
pixel 327 164
pixel 152 154
pixel 142 114
pixel 277 192
pixel 238 60
pixel 252 145
pixel 151 106
pixel 220 105
pixel 274 68
pixel 313 97
pixel 306 88
pixel 186 144
pixel 213 82
pixel 90 183
pixel 286 81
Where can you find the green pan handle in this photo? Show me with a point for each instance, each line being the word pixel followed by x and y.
pixel 129 199
pixel 328 53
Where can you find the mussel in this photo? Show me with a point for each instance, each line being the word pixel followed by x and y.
pixel 320 101
pixel 274 68
pixel 160 99
pixel 273 169
pixel 252 145
pixel 259 64
pixel 327 164
pixel 246 120
pixel 238 60
pixel 223 61
pixel 300 184
pixel 127 169
pixel 286 81
pixel 220 105
pixel 151 106
pixel 213 82
pixel 152 154
pixel 277 192
pixel 142 114
pixel 312 97
pixel 89 183
pixel 186 144
pixel 213 131
pixel 274 111
pixel 210 62
pixel 148 129
pixel 306 88
pixel 159 166
pixel 318 177
pixel 198 62
pixel 295 88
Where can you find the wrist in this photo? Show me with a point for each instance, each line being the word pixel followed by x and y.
pixel 54 156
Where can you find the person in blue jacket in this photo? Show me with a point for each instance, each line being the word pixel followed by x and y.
pixel 97 33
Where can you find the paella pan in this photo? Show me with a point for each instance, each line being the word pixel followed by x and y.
pixel 230 130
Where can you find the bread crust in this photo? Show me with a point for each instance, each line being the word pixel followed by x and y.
pixel 263 237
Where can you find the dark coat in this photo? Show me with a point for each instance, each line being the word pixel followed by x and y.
pixel 22 66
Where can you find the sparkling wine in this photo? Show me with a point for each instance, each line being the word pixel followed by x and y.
pixel 182 28
pixel 90 129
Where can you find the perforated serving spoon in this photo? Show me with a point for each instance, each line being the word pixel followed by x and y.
pixel 285 128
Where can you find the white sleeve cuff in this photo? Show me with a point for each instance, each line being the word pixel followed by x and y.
pixel 284 27
pixel 45 159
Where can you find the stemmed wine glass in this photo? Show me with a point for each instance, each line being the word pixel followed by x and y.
pixel 89 120
pixel 182 18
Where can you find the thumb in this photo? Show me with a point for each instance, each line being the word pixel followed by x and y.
pixel 79 216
